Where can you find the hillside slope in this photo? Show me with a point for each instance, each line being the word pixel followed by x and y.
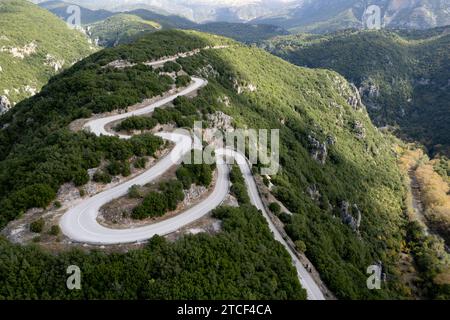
pixel 59 8
pixel 402 76
pixel 34 45
pixel 338 172
pixel 120 28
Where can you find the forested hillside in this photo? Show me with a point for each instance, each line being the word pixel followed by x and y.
pixel 120 28
pixel 338 172
pixel 243 262
pixel 402 76
pixel 34 46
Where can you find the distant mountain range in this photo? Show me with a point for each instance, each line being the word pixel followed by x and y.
pixel 112 28
pixel 320 16
pixel 316 16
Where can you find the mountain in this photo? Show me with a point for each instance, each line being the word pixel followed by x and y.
pixel 112 28
pixel 199 11
pixel 313 16
pixel 60 9
pixel 338 176
pixel 402 76
pixel 120 28
pixel 322 16
pixel 34 46
pixel 166 21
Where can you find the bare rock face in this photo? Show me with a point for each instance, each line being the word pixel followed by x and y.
pixel 351 216
pixel 5 104
pixel 318 150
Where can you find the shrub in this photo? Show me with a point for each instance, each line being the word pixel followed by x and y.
pixel 140 163
pixel 171 66
pixel 137 123
pixel 102 177
pixel 80 178
pixel 54 230
pixel 37 226
pixel 154 205
pixel 135 192
pixel 275 208
pixel 200 174
pixel 182 81
pixel 301 246
pixel 184 176
pixel 173 192
pixel 34 196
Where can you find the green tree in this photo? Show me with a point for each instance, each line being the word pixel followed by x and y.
pixel 37 226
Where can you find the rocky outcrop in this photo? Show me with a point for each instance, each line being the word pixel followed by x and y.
pixel 5 104
pixel 225 100
pixel 208 71
pixel 351 216
pixel 318 150
pixel 331 141
pixel 30 90
pixel 243 87
pixel 354 100
pixel 194 193
pixel 21 52
pixel 369 90
pixel 314 193
pixel 359 129
pixel 220 120
pixel 53 62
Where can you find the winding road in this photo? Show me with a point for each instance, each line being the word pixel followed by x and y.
pixel 80 222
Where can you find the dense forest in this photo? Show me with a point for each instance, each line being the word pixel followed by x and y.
pixel 402 76
pixel 242 262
